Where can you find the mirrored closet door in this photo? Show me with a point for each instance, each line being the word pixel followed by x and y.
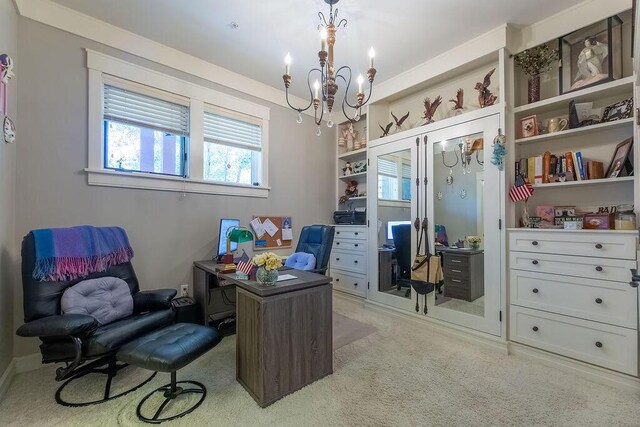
pixel 464 198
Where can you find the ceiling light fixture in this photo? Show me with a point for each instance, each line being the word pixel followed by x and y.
pixel 324 88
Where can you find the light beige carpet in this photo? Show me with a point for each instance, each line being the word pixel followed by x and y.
pixel 347 330
pixel 401 374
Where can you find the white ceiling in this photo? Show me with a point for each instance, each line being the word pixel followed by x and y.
pixel 404 33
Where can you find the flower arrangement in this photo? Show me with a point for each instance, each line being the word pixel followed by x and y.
pixel 268 260
pixel 474 241
pixel 536 60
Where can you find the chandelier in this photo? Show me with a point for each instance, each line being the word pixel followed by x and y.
pixel 325 86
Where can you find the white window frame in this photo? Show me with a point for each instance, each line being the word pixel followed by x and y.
pixel 399 202
pixel 104 68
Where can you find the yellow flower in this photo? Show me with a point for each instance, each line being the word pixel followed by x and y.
pixel 273 264
pixel 260 260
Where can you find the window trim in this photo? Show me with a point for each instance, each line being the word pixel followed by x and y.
pixel 103 67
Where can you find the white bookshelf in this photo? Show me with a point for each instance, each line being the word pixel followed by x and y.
pixel 603 181
pixel 577 131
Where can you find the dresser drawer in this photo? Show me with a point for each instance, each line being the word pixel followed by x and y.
pixel 350 261
pixel 352 283
pixel 609 346
pixel 349 245
pixel 580 243
pixel 354 233
pixel 604 301
pixel 579 266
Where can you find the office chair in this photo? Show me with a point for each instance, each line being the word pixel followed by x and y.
pixel 402 242
pixel 317 240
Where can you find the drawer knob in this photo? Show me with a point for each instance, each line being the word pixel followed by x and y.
pixel 337 280
pixel 598 245
pixel 598 344
pixel 634 284
pixel 355 262
pixel 598 268
pixel 356 245
pixel 356 233
pixel 535 290
pixel 534 262
pixel 535 329
pixel 337 259
pixel 534 243
pixel 337 243
pixel 355 284
pixel 598 300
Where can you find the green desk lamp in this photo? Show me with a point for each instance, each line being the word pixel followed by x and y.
pixel 236 235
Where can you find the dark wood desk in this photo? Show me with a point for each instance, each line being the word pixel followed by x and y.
pixel 215 297
pixel 463 273
pixel 284 334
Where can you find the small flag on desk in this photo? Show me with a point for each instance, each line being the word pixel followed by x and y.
pixel 521 190
pixel 244 265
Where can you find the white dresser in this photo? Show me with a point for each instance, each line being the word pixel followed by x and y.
pixel 348 264
pixel 570 295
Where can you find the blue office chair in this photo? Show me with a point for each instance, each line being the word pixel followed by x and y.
pixel 317 240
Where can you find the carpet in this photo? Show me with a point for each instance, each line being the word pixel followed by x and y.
pixel 347 330
pixel 401 374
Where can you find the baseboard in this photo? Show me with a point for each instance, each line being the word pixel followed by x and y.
pixel 7 378
pixel 28 363
pixel 479 338
pixel 582 369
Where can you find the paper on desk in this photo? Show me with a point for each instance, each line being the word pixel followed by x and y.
pixel 257 227
pixel 270 227
pixel 286 277
pixel 287 234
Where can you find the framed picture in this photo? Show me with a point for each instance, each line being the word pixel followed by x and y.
pixel 619 110
pixel 529 126
pixel 619 159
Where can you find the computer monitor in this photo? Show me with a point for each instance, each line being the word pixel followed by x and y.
pixel 225 225
pixel 390 225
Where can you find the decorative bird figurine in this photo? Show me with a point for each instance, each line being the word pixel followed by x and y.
pixel 430 108
pixel 385 130
pixel 400 121
pixel 458 102
pixel 485 97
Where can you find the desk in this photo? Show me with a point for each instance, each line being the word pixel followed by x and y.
pixel 211 293
pixel 386 269
pixel 284 334
pixel 463 273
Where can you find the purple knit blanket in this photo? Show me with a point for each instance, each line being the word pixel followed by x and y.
pixel 70 253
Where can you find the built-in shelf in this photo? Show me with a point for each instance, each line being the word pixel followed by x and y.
pixel 358 198
pixel 561 230
pixel 349 155
pixel 356 176
pixel 585 182
pixel 577 131
pixel 615 88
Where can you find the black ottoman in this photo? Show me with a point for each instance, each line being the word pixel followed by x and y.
pixel 168 350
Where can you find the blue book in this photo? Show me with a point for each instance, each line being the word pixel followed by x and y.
pixel 580 165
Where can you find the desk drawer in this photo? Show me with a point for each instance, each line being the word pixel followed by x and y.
pixel 604 301
pixel 355 284
pixel 590 268
pixel 349 261
pixel 609 346
pixel 349 245
pixel 354 233
pixel 581 243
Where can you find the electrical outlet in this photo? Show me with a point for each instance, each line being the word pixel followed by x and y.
pixel 184 290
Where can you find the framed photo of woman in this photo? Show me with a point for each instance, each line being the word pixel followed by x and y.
pixel 620 160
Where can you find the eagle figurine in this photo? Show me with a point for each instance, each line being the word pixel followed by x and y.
pixel 400 121
pixel 430 108
pixel 458 102
pixel 485 97
pixel 386 129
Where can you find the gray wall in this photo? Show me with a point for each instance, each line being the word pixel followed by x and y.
pixel 8 257
pixel 167 233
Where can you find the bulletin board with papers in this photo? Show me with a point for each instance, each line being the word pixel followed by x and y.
pixel 271 232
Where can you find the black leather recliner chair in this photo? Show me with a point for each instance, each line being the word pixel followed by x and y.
pixel 317 240
pixel 78 340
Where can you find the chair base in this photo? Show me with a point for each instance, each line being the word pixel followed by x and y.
pixel 170 392
pixel 111 371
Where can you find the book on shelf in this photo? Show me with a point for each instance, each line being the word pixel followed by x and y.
pixel 595 170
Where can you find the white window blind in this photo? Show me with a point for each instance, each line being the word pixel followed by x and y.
pixel 232 132
pixel 125 106
pixel 406 171
pixel 387 167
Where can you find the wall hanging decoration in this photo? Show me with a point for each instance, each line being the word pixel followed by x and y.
pixel 449 179
pixel 463 194
pixel 534 62
pixel 325 86
pixel 430 108
pixel 6 73
pixel 499 150
pixel 439 195
pixel 485 97
pixel 591 56
pixel 458 102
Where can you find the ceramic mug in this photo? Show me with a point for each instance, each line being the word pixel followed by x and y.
pixel 556 125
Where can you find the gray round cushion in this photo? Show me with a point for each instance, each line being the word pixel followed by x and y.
pixel 106 298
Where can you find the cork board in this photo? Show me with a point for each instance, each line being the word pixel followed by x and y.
pixel 281 239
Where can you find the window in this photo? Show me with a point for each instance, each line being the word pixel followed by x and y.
pixel 143 133
pixel 232 149
pixel 394 179
pixel 406 181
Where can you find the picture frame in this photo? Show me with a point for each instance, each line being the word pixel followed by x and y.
pixel 529 126
pixel 618 111
pixel 620 159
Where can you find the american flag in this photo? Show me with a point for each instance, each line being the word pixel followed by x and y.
pixel 244 264
pixel 521 190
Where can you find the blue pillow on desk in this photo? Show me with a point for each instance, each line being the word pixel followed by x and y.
pixel 301 261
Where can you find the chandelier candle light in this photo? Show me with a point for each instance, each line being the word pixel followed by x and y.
pixel 324 89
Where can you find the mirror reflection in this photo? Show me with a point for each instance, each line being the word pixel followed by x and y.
pixel 394 223
pixel 458 190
